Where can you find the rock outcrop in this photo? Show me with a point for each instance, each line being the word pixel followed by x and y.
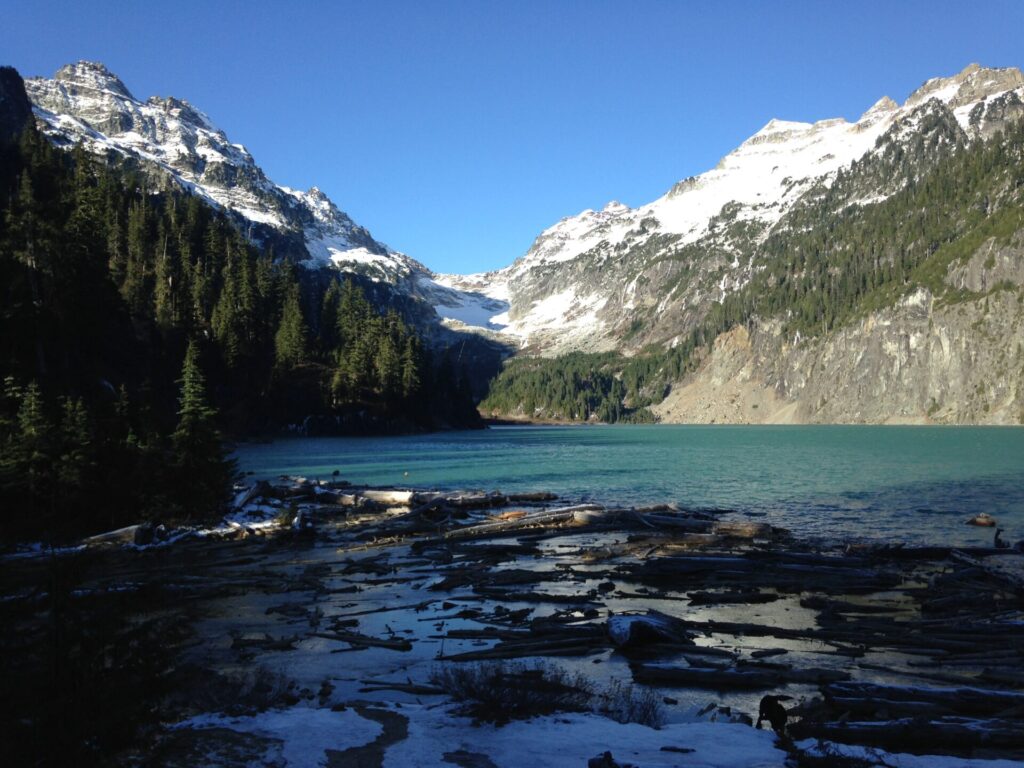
pixel 15 109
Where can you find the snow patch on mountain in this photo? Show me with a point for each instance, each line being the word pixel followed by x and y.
pixel 474 304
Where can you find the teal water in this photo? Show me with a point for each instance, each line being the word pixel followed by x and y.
pixel 913 484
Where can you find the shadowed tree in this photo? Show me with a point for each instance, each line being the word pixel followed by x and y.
pixel 201 466
pixel 291 337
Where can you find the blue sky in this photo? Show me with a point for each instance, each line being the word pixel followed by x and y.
pixel 457 131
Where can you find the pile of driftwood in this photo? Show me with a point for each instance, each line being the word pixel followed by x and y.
pixel 949 619
pixel 918 649
pixel 475 514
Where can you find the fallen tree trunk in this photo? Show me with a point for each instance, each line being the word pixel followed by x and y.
pixel 389 497
pixel 996 574
pixel 702 677
pixel 354 638
pixel 519 498
pixel 552 517
pixel 952 734
pixel 961 700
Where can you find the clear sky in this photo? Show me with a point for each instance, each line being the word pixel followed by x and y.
pixel 457 131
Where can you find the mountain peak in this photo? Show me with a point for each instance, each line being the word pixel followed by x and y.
pixel 973 83
pixel 881 107
pixel 92 74
pixel 777 131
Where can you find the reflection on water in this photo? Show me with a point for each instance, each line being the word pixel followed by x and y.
pixel 913 484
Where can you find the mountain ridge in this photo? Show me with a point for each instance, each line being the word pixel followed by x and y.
pixel 761 180
pixel 617 279
pixel 87 103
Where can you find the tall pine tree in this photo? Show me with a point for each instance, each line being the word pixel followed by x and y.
pixel 203 472
pixel 290 340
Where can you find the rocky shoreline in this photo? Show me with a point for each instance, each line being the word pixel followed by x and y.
pixel 390 621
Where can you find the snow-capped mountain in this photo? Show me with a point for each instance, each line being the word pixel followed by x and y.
pixel 616 278
pixel 590 279
pixel 87 103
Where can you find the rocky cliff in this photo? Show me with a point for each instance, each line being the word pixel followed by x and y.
pixel 923 360
pixel 15 109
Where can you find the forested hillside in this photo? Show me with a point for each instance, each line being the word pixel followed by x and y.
pixel 136 323
pixel 833 260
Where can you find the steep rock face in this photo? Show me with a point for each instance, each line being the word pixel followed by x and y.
pixel 992 265
pixel 623 278
pixel 15 109
pixel 920 361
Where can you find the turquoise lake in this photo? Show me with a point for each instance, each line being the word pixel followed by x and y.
pixel 912 484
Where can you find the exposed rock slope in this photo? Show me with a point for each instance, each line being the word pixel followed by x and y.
pixel 921 361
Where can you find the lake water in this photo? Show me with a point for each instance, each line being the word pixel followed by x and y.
pixel 913 484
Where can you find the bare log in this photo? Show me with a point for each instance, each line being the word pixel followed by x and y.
pixel 354 638
pixel 955 734
pixel 389 497
pixel 701 677
pixel 960 700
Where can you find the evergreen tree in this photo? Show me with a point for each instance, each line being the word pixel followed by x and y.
pixel 203 470
pixel 411 365
pixel 35 442
pixel 76 464
pixel 328 329
pixel 290 340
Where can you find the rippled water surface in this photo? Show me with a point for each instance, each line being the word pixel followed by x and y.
pixel 914 484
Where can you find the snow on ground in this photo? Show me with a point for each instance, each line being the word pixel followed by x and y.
pixel 557 740
pixel 434 736
pixel 761 173
pixel 306 732
pixel 259 216
pixel 358 256
pixel 478 301
pixel 568 316
pixel 476 311
pixel 572 739
pixel 494 285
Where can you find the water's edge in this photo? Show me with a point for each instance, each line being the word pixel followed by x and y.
pixel 896 483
